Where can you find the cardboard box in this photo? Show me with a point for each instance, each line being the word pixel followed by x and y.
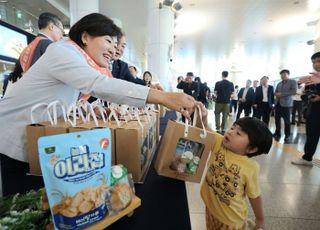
pixel 34 131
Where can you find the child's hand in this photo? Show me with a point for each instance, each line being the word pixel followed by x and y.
pixel 259 224
pixel 204 115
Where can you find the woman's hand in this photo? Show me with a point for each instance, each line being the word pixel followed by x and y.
pixel 180 102
pixel 314 78
pixel 156 86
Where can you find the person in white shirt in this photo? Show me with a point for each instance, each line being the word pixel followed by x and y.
pixel 297 105
pixel 234 100
pixel 68 67
pixel 254 110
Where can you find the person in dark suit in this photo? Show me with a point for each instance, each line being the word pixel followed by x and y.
pixel 50 30
pixel 189 87
pixel 264 100
pixel 119 68
pixel 204 90
pixel 246 99
pixel 254 109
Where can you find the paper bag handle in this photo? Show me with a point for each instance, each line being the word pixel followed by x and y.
pixel 114 115
pixel 33 108
pixel 53 105
pixel 72 112
pixel 102 111
pixel 186 127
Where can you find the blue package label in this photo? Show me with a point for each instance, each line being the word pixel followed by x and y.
pixel 76 169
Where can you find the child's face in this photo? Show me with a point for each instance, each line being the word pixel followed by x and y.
pixel 236 140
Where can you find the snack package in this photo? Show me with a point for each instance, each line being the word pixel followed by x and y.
pixel 121 192
pixel 119 173
pixel 76 169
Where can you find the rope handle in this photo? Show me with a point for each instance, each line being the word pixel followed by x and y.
pixel 204 133
pixel 33 108
pixel 53 106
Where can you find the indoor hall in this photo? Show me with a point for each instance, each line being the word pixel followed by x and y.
pixel 166 39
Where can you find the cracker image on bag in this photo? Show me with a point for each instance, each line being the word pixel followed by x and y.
pixel 76 170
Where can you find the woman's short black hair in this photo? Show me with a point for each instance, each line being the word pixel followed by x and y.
pixel 258 133
pixel 147 72
pixel 95 25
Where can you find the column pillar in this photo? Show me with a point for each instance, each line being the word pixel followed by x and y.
pixel 80 8
pixel 160 42
pixel 317 39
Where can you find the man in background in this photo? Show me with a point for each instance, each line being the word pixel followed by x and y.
pixel 119 68
pixel 133 70
pixel 254 109
pixel 312 121
pixel 223 90
pixel 204 91
pixel 189 87
pixel 284 92
pixel 264 100
pixel 50 30
pixel 297 105
pixel 246 99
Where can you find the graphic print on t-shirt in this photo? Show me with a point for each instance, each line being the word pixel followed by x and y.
pixel 223 181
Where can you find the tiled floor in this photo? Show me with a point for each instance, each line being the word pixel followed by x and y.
pixel 291 194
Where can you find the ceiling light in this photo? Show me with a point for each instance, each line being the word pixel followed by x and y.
pixel 176 6
pixel 168 2
pixel 310 42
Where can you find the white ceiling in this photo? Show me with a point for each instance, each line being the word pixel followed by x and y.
pixel 242 34
pixel 250 38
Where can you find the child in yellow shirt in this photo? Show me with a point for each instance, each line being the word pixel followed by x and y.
pixel 232 175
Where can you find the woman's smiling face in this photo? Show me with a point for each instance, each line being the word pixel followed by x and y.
pixel 101 49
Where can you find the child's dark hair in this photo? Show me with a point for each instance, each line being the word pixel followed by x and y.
pixel 315 55
pixel 258 133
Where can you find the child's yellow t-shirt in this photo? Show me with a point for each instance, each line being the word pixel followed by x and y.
pixel 230 178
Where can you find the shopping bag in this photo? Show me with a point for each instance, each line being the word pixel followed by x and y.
pixel 54 125
pixel 132 147
pixel 183 152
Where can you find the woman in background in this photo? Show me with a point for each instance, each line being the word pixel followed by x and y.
pixel 147 78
